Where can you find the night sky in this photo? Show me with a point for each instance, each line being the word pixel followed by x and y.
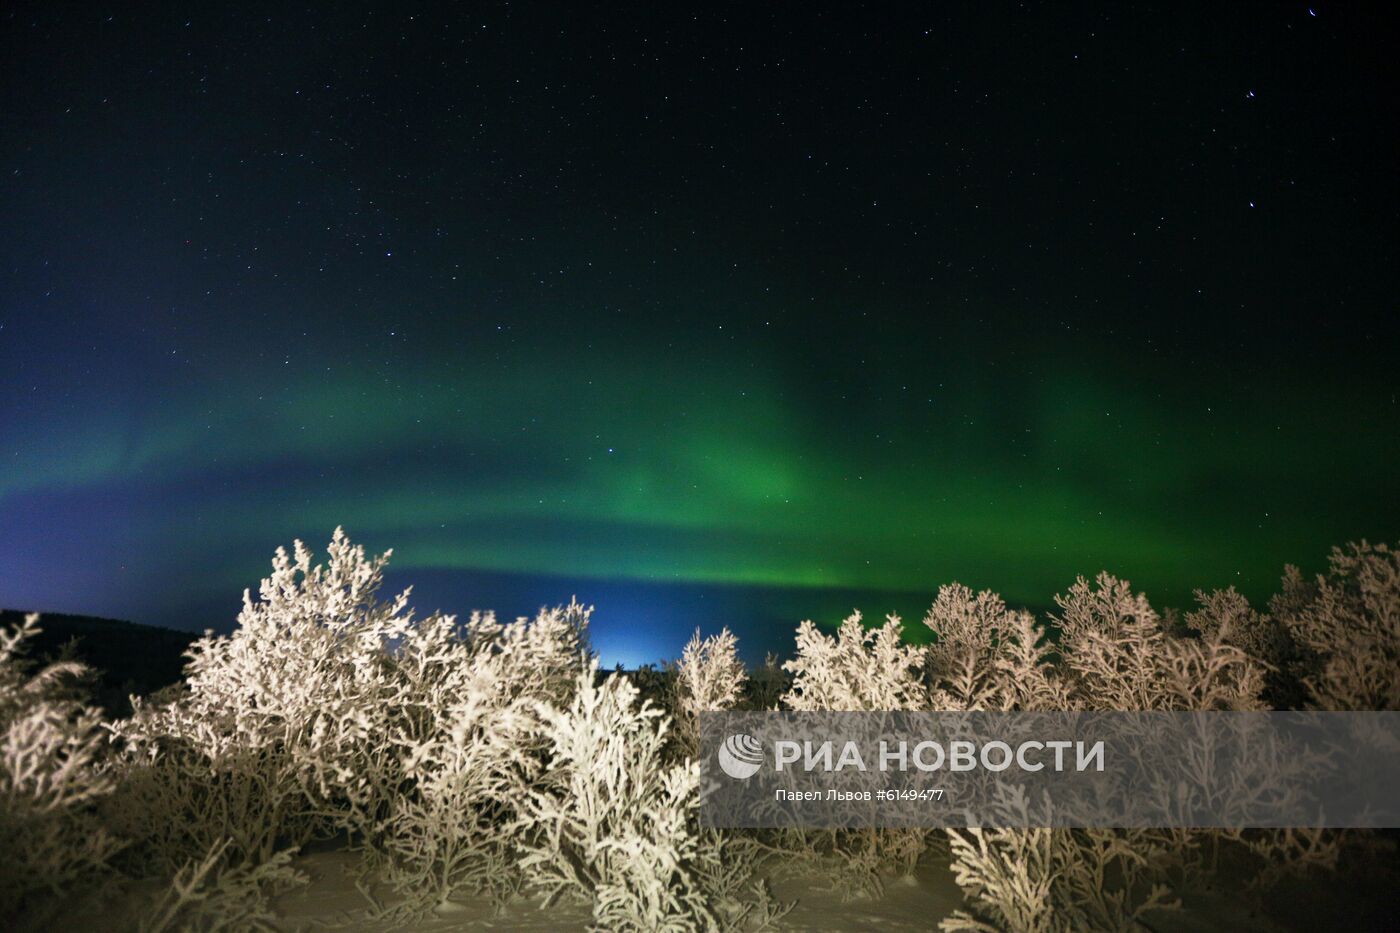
pixel 717 317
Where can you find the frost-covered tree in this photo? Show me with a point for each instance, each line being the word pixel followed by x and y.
pixel 709 678
pixel 329 710
pixel 1227 614
pixel 1114 652
pixel 1119 656
pixel 451 754
pixel 489 757
pixel 1053 880
pixel 988 657
pixel 1347 623
pixel 276 735
pixel 467 746
pixel 51 779
pixel 856 669
pixel 612 821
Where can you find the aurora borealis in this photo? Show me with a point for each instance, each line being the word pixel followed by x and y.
pixel 707 325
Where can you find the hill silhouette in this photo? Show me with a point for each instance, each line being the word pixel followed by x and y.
pixel 126 657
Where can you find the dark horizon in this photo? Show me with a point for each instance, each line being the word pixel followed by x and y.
pixel 635 623
pixel 721 317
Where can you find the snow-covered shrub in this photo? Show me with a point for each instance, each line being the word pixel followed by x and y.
pixel 173 803
pixel 469 747
pixel 208 895
pixel 1113 652
pixel 1340 637
pixel 1228 614
pixel 857 669
pixel 1347 624
pixel 611 821
pixel 1118 656
pixel 492 758
pixel 51 778
pixel 1053 880
pixel 445 833
pixel 988 657
pixel 964 623
pixel 330 711
pixel 710 677
pixel 275 739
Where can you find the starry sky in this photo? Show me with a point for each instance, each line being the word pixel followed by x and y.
pixel 710 315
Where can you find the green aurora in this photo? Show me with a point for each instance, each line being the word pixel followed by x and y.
pixel 675 471
pixel 708 319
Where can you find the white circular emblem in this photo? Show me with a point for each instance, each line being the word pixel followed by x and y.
pixel 741 756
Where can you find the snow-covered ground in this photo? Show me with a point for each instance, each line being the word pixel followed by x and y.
pixel 332 902
pixel 917 902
